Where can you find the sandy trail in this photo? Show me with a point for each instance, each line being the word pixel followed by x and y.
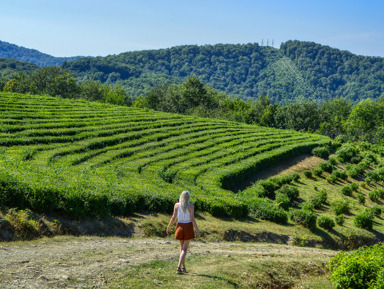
pixel 56 262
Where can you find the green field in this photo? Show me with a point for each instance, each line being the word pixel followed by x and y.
pixel 86 158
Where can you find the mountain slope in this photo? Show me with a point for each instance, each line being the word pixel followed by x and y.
pixel 296 70
pixel 11 66
pixel 8 50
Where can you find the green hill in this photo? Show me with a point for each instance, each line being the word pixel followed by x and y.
pixel 9 67
pixel 8 50
pixel 83 158
pixel 296 70
pixel 78 158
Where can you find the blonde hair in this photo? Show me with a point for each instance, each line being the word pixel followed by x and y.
pixel 184 201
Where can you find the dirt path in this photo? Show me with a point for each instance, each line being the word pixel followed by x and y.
pixel 69 262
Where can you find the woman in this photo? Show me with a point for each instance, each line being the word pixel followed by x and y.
pixel 185 213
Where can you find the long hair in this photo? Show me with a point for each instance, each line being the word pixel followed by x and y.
pixel 184 201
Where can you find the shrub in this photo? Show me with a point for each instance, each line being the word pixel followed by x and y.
pixel 361 198
pixel 354 186
pixel 361 269
pixel 304 217
pixel 340 174
pixel 333 161
pixel 326 167
pixel 374 196
pixel 346 191
pixel 291 191
pixel 280 181
pixel 332 179
pixel 380 193
pixel 266 210
pixel 341 207
pixel 269 186
pixel 346 153
pixel 307 174
pixel 376 210
pixel 353 172
pixel 308 206
pixel 340 220
pixel 295 177
pixel 283 200
pixel 363 220
pixel 321 152
pixel 325 223
pixel 318 199
pixel 317 172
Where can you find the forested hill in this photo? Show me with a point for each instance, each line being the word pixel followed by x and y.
pixel 298 69
pixel 8 50
pixel 9 67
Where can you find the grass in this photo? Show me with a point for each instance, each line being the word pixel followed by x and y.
pixel 229 271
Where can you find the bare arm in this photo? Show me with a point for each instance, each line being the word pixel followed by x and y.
pixel 192 212
pixel 173 218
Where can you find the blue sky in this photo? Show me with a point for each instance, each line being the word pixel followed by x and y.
pixel 85 27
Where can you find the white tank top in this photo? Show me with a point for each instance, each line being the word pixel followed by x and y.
pixel 183 217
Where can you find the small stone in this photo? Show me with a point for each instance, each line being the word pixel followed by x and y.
pixel 42 277
pixel 310 263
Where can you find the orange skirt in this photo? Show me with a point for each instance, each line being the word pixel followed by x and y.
pixel 184 231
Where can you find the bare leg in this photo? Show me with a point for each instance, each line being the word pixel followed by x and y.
pixel 183 252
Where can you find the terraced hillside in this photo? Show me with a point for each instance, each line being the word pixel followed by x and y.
pixel 86 158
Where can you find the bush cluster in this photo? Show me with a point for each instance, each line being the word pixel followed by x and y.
pixel 318 199
pixel 341 206
pixel 362 268
pixel 347 152
pixel 325 223
pixel 364 220
pixel 264 209
pixel 304 217
pixel 326 166
pixel 321 152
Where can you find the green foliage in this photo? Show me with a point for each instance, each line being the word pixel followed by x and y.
pixel 341 206
pixel 8 50
pixel 325 223
pixel 340 174
pixel 374 196
pixel 307 174
pixel 361 268
pixel 332 179
pixel 361 198
pixel 291 191
pixel 364 220
pixel 326 167
pixel 282 200
pixel 81 158
pixel 346 190
pixel 308 206
pixel 303 217
pixel 339 219
pixel 376 210
pixel 266 210
pixel 317 172
pixel 321 152
pixel 319 198
pixel 347 152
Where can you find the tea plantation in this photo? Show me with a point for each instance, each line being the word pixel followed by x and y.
pixel 83 158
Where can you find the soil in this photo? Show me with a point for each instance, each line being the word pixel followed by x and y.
pixel 84 262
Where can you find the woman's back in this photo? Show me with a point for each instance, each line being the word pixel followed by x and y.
pixel 183 217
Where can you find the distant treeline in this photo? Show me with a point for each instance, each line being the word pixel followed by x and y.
pixel 298 70
pixel 57 82
pixel 336 117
